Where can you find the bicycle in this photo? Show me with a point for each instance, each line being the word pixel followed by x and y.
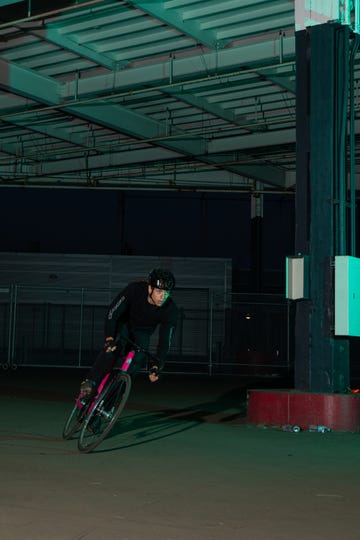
pixel 95 418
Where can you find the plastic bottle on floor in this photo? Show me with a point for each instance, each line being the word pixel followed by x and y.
pixel 289 427
pixel 319 429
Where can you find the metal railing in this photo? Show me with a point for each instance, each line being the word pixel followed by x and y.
pixel 216 334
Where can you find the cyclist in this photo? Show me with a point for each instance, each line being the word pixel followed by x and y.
pixel 136 312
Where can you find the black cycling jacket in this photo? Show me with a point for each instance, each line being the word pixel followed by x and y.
pixel 131 307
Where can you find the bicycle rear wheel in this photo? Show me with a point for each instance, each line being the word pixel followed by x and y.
pixel 104 413
pixel 74 420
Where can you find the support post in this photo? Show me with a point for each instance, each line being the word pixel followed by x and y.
pixel 322 52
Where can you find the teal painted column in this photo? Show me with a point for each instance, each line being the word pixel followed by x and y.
pixel 321 360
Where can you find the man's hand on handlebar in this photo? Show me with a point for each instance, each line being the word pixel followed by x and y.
pixel 108 345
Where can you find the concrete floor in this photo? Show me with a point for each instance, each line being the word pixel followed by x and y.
pixel 181 464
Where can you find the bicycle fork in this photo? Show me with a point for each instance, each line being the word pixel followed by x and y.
pixel 124 368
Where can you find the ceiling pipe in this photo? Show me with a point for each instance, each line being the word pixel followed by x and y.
pixel 185 189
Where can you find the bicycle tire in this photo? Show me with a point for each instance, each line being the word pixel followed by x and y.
pixel 104 413
pixel 74 421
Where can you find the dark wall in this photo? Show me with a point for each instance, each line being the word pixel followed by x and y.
pixel 149 223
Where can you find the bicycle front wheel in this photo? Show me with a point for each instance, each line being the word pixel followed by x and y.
pixel 102 416
pixel 74 420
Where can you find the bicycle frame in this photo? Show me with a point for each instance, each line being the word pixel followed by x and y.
pixel 127 361
pixel 124 368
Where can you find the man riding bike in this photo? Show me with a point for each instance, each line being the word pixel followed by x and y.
pixel 135 313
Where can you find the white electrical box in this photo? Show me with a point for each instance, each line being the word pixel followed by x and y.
pixel 297 277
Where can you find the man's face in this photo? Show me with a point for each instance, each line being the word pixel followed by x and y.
pixel 157 296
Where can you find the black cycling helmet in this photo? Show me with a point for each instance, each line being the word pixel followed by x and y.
pixel 161 279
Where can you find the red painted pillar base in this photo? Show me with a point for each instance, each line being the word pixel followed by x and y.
pixel 340 412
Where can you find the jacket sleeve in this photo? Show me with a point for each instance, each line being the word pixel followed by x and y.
pixel 116 309
pixel 166 332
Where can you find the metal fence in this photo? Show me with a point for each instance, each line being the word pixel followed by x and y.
pixel 217 333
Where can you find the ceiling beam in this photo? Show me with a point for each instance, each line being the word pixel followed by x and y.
pixel 4 3
pixel 124 120
pixel 174 19
pixel 253 140
pixel 53 35
pixel 28 83
pixel 182 70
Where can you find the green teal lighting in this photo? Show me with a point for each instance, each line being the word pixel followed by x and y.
pixel 347 296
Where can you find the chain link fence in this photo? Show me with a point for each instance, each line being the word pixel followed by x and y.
pixel 217 333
